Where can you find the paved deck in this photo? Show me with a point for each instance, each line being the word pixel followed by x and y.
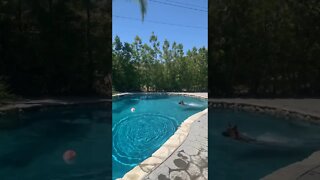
pixel 190 160
pixel 307 169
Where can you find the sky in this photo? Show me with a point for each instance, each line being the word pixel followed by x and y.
pixel 166 18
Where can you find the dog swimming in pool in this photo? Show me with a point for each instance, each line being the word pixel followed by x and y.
pixel 191 105
pixel 181 103
pixel 233 133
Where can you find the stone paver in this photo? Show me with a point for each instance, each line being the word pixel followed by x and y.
pixel 49 102
pixel 304 106
pixel 199 94
pixel 196 94
pixel 167 154
pixel 190 160
pixel 179 162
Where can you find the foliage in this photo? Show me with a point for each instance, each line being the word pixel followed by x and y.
pixel 143 8
pixel 146 66
pixel 55 47
pixel 264 48
pixel 4 92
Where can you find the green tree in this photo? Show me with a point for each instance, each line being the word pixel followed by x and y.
pixel 147 67
pixel 46 47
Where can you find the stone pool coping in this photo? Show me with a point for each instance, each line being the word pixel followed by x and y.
pixel 35 103
pixel 192 94
pixel 304 109
pixel 190 160
pixel 140 171
pixel 307 169
pixel 165 151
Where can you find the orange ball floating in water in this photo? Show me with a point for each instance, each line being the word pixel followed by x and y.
pixel 133 109
pixel 69 156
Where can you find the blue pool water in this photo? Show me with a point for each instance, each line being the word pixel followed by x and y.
pixel 32 143
pixel 285 142
pixel 138 134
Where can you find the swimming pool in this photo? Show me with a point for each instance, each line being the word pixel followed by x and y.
pixel 288 141
pixel 32 143
pixel 139 132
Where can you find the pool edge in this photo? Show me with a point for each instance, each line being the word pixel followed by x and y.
pixel 274 110
pixel 49 102
pixel 308 167
pixel 140 171
pixel 201 95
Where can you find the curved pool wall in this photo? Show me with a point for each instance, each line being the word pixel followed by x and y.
pixel 158 156
pixel 33 140
pixel 297 132
pixel 284 112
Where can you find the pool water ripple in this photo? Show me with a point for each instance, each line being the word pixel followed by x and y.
pixel 132 134
pixel 280 142
pixel 142 123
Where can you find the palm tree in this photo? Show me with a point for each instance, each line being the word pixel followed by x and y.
pixel 143 7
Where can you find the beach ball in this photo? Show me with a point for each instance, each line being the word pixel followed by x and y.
pixel 133 109
pixel 69 156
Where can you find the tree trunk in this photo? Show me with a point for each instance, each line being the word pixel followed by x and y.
pixel 20 15
pixel 50 8
pixel 89 49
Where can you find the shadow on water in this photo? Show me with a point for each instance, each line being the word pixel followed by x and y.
pixel 129 101
pixel 154 97
pixel 150 96
pixel 22 118
pixel 192 108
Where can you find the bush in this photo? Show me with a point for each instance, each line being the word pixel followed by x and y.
pixel 4 91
